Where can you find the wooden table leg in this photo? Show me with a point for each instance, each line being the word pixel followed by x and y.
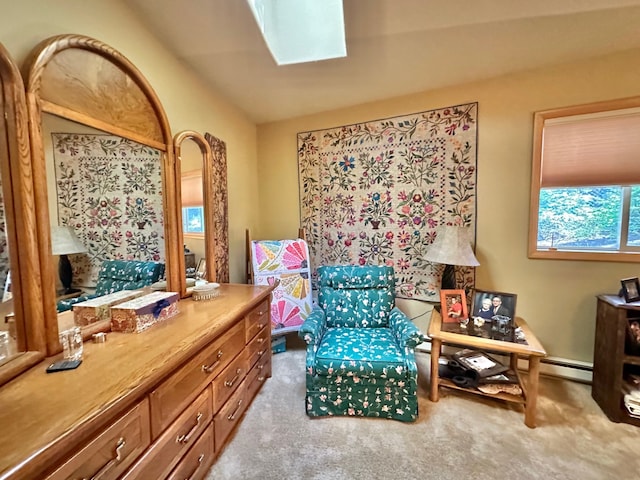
pixel 532 392
pixel 436 345
pixel 513 364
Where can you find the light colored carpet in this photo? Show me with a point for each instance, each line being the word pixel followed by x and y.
pixel 461 436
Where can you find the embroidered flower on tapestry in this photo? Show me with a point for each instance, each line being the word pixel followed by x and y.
pixel 374 193
pixel 109 190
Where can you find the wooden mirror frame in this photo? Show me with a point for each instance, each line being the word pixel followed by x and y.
pixel 208 198
pixel 18 180
pixel 86 81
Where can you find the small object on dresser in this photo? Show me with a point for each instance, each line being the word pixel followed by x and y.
pixel 63 365
pixel 139 314
pixel 99 337
pixel 205 291
pixel 99 308
pixel 72 344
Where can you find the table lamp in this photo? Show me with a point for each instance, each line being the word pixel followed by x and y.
pixel 65 242
pixel 452 246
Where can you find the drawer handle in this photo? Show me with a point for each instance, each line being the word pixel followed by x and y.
pixel 260 340
pixel 184 439
pixel 262 313
pixel 229 383
pixel 193 474
pixel 210 368
pixel 111 463
pixel 261 379
pixel 261 326
pixel 260 353
pixel 233 415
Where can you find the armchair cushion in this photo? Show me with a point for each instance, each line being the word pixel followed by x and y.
pixel 362 353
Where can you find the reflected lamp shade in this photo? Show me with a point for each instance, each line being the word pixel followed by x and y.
pixel 65 242
pixel 452 246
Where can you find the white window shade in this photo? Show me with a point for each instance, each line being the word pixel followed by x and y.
pixel 191 186
pixel 593 149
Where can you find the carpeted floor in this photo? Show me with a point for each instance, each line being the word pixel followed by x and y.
pixel 460 437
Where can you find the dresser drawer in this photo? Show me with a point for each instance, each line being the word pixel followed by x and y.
pixel 257 376
pixel 166 452
pixel 259 346
pixel 111 452
pixel 229 416
pixel 196 463
pixel 256 320
pixel 227 382
pixel 180 389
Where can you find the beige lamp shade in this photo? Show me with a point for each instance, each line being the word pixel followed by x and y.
pixel 452 246
pixel 64 241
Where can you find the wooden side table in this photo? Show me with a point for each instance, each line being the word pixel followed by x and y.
pixel 531 350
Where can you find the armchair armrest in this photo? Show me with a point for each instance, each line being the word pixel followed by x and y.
pixel 67 304
pixel 312 330
pixel 405 331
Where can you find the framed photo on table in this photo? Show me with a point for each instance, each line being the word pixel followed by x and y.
pixel 453 304
pixel 488 304
pixel 630 289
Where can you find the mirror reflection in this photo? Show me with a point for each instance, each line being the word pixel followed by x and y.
pixel 192 204
pixel 106 212
pixel 194 164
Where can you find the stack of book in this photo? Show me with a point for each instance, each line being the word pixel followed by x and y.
pixel 493 376
pixel 631 388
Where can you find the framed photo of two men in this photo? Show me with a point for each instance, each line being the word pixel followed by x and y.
pixel 489 304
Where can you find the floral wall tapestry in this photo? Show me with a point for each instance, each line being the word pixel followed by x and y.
pixel 374 193
pixel 109 190
pixel 221 207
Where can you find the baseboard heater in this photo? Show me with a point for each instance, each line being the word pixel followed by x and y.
pixel 551 366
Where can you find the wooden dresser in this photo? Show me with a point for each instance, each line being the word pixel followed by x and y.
pixel 154 405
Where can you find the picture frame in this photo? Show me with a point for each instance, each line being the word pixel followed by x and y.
pixel 630 289
pixel 201 269
pixel 488 304
pixel 632 337
pixel 453 304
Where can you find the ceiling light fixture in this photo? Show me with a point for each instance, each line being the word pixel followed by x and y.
pixel 298 31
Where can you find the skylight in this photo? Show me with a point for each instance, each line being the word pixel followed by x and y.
pixel 298 31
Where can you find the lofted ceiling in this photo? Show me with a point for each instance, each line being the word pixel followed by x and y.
pixel 394 47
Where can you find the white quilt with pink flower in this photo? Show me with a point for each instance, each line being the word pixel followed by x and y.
pixel 288 262
pixel 373 193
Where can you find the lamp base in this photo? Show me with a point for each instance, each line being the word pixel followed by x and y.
pixel 449 278
pixel 66 275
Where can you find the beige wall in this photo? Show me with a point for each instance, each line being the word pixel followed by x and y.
pixel 188 103
pixel 557 298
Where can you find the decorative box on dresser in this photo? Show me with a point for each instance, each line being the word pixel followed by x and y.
pixel 612 359
pixel 153 405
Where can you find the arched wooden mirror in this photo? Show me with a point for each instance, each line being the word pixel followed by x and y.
pixel 22 338
pixel 75 81
pixel 196 215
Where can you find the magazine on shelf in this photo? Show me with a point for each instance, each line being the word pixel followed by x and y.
pixel 480 362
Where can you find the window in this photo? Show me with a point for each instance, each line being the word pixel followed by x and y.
pixel 585 187
pixel 192 204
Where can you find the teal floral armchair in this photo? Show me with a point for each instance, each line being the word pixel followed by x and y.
pixel 360 347
pixel 117 275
